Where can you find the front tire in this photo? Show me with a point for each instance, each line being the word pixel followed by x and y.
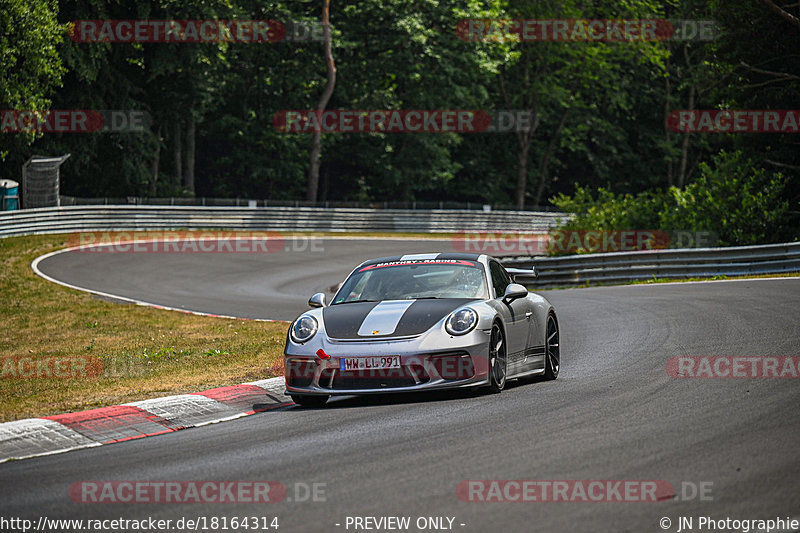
pixel 498 361
pixel 306 400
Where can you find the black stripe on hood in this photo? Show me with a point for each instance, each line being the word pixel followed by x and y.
pixel 342 321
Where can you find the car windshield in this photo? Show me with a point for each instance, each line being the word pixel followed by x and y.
pixel 404 280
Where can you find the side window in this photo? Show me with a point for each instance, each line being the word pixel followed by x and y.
pixel 500 279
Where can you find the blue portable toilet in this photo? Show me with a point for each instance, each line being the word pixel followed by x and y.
pixel 9 195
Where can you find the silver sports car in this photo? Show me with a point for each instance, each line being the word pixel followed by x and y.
pixel 421 322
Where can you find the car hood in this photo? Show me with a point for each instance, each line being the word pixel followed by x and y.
pixel 389 318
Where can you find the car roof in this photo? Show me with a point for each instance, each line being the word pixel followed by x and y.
pixel 421 257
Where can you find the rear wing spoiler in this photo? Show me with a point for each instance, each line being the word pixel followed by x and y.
pixel 526 272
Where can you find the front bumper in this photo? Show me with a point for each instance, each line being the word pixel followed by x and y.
pixel 462 363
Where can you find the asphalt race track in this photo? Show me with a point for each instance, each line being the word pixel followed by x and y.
pixel 613 414
pixel 248 285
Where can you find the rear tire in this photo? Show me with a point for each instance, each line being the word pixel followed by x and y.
pixel 306 400
pixel 498 362
pixel 552 352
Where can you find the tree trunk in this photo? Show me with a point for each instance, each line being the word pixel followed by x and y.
pixel 667 94
pixel 785 14
pixel 524 141
pixel 176 151
pixel 188 171
pixel 685 144
pixel 155 164
pixel 523 137
pixel 687 134
pixel 316 139
pixel 522 174
pixel 544 168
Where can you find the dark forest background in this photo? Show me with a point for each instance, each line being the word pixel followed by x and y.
pixel 600 141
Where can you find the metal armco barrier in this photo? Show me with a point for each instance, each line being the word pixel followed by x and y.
pixel 621 267
pixel 618 267
pixel 139 217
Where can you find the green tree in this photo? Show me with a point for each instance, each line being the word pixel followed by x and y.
pixel 732 198
pixel 30 68
pixel 579 93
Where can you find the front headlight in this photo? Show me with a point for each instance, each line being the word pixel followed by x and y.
pixel 304 328
pixel 461 322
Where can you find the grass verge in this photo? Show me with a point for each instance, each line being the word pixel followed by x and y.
pixel 144 352
pixel 716 278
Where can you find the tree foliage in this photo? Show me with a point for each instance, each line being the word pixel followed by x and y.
pixel 731 199
pixel 30 65
pixel 599 108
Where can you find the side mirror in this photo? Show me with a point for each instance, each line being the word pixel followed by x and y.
pixel 514 291
pixel 318 300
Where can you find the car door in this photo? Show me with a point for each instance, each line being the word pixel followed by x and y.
pixel 519 312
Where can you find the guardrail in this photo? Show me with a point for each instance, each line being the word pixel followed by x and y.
pixel 620 267
pixel 617 267
pixel 149 218
pixel 205 201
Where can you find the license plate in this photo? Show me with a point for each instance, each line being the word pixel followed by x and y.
pixel 369 363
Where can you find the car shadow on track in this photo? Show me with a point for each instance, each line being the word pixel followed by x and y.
pixel 346 402
pixel 374 400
